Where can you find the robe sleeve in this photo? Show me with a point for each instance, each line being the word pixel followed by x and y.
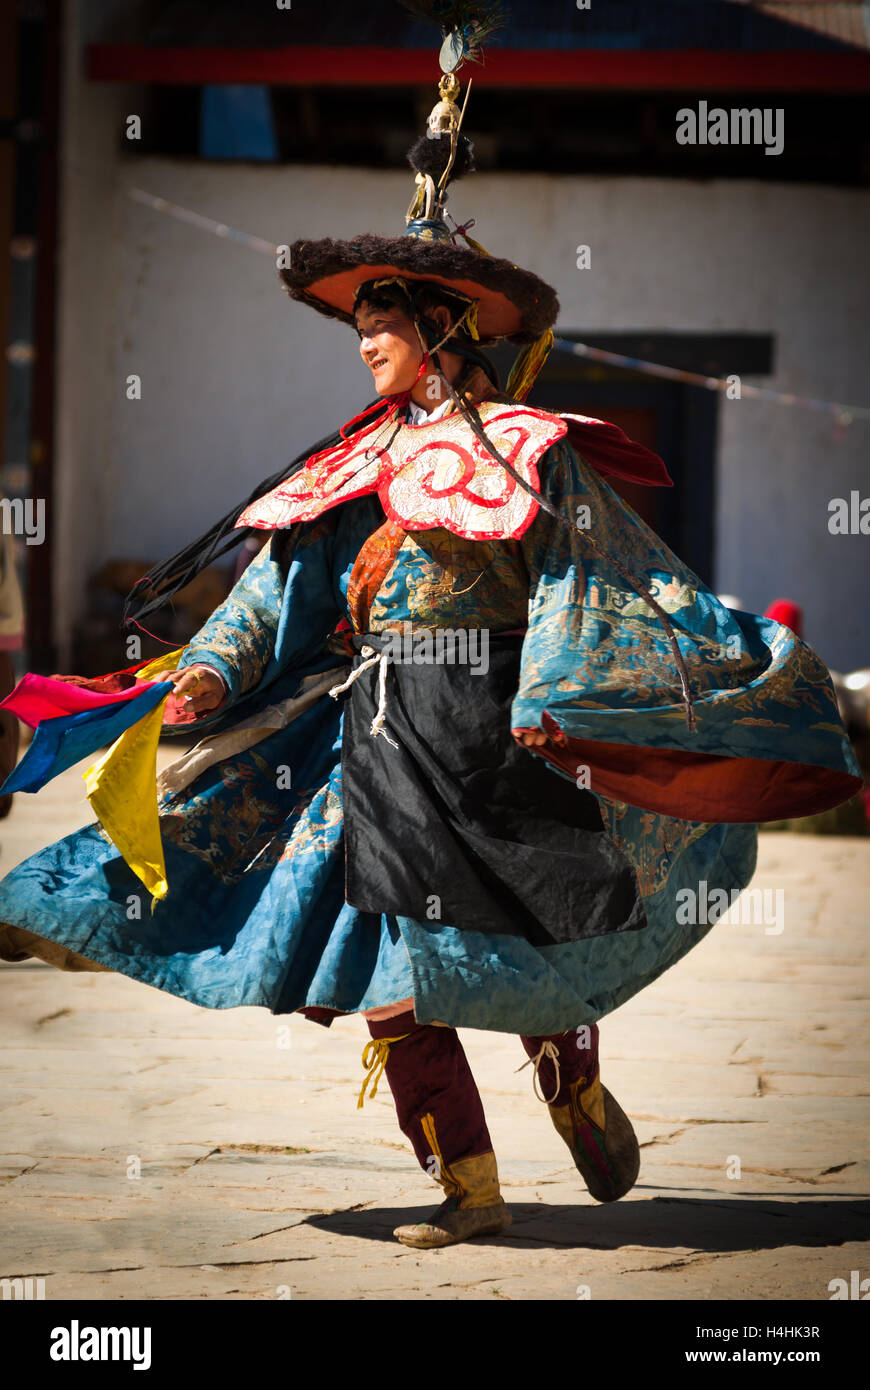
pixel 278 615
pixel 599 678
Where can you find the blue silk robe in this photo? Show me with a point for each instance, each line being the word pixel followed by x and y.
pixel 256 911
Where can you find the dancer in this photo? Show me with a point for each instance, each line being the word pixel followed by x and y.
pixel 471 729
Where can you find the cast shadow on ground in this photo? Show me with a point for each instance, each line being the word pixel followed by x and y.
pixel 714 1224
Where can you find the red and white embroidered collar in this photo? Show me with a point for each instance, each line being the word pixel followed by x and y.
pixel 434 474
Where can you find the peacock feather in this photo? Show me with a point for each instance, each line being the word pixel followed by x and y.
pixel 465 24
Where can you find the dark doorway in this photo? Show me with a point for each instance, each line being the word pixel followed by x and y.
pixel 676 420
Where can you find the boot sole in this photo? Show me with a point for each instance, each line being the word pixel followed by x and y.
pixel 623 1154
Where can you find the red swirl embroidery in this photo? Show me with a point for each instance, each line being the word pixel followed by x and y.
pixel 479 463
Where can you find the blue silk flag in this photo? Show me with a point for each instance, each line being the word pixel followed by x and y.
pixel 61 742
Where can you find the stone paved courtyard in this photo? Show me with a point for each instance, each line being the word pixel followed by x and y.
pixel 745 1070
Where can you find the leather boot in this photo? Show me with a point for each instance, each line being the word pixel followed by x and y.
pixel 591 1121
pixel 473 1206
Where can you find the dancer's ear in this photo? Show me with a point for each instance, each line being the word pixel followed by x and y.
pixel 441 317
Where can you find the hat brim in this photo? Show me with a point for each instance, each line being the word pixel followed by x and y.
pixel 513 303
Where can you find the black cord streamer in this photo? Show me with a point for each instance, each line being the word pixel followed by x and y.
pixel 163 581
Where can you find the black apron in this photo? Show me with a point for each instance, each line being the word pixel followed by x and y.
pixel 460 824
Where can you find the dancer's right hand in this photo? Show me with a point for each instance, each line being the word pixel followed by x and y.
pixel 198 690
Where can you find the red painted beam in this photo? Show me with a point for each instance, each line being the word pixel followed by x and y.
pixel 684 70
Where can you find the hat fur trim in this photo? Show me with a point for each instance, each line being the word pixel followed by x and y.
pixel 514 304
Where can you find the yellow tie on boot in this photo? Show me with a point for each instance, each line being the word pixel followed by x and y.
pixel 374 1059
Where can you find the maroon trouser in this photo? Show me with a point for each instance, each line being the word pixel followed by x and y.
pixel 429 1075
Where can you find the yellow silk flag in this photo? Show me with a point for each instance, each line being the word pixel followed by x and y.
pixel 167 662
pixel 122 789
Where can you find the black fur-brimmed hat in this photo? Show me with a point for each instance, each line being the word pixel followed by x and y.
pixel 510 303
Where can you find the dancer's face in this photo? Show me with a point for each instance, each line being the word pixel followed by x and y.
pixel 390 348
